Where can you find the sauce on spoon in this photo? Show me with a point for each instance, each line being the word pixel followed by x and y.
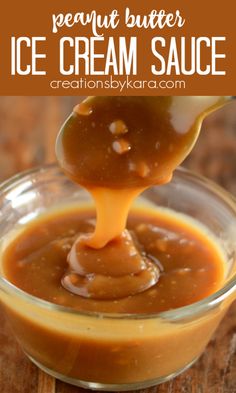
pixel 116 147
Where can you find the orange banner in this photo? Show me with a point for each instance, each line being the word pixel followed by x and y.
pixel 117 48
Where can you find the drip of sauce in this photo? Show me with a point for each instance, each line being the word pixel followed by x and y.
pixel 112 206
pixel 116 147
pixel 109 276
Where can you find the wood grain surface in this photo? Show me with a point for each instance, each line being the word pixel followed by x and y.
pixel 28 127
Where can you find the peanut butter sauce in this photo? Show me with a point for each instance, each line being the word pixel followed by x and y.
pixel 116 147
pixel 188 262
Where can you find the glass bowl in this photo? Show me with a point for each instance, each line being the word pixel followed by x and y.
pixel 110 351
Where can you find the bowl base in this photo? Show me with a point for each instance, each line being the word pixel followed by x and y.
pixel 111 387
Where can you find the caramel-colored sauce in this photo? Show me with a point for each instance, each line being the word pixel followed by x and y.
pixel 85 260
pixel 116 147
pixel 189 262
pixel 126 142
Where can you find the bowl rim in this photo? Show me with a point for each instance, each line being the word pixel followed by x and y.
pixel 176 314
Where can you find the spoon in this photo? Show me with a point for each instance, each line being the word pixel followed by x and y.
pixel 124 142
pixel 117 146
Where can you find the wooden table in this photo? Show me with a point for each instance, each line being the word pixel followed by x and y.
pixel 28 126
